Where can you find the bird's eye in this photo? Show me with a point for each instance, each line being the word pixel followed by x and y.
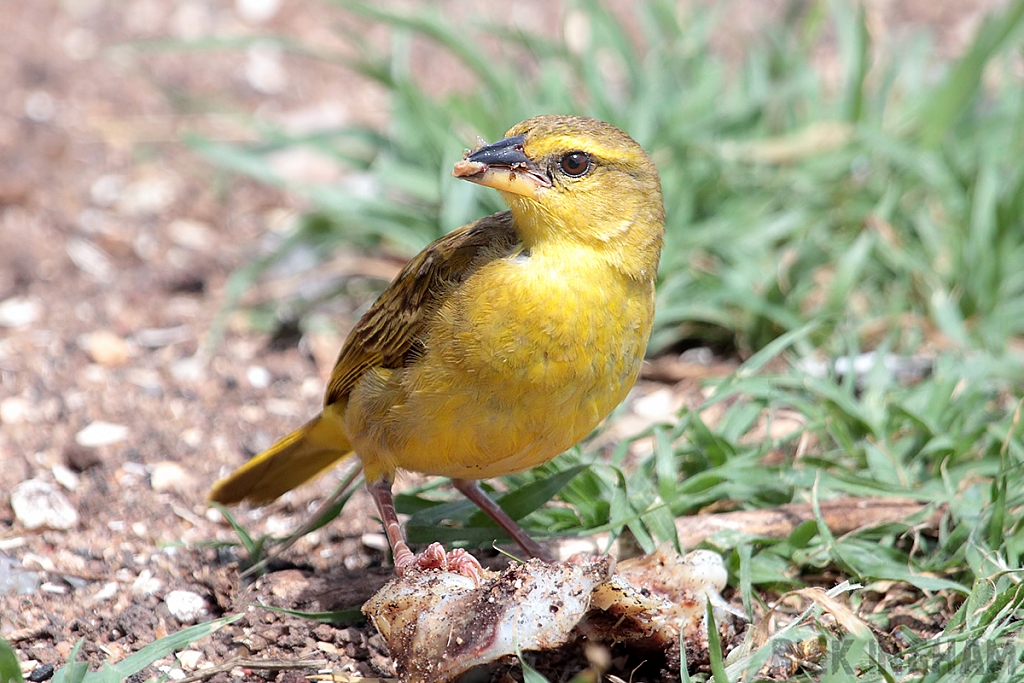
pixel 575 163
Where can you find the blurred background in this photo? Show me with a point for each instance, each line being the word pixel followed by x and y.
pixel 199 197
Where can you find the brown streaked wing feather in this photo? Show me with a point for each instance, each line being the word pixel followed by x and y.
pixel 393 326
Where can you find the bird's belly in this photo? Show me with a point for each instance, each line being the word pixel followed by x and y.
pixel 478 430
pixel 514 385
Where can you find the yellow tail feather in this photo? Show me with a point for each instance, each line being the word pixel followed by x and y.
pixel 292 461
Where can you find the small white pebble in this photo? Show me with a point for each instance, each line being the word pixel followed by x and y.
pixel 105 347
pixel 105 593
pixel 252 414
pixel 106 190
pixel 257 11
pixel 278 525
pixel 65 477
pixel 169 476
pixel 311 387
pixel 43 562
pixel 28 666
pixel 95 374
pixel 146 584
pixel 258 376
pixel 40 106
pixel 192 437
pixel 148 196
pixel 190 234
pixel 134 468
pixel 185 606
pixel 38 504
pixel 264 67
pixel 657 404
pixel 191 369
pixel 101 434
pixel 14 410
pixel 283 407
pixel 19 311
pixel 90 258
pixel 374 541
pixel 145 379
pixel 189 659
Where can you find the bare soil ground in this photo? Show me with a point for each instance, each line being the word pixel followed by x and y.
pixel 115 245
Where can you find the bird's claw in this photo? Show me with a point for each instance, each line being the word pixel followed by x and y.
pixel 457 561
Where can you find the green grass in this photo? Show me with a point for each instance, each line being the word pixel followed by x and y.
pixel 806 219
pixel 10 671
pixel 128 668
pixel 894 198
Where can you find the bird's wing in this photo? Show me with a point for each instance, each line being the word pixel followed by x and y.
pixel 389 334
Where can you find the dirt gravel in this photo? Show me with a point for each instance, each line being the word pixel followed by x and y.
pixel 115 245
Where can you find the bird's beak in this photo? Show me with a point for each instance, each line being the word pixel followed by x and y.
pixel 504 166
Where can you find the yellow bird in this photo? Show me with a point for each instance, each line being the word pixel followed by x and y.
pixel 504 342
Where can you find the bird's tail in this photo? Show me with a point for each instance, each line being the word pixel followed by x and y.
pixel 292 461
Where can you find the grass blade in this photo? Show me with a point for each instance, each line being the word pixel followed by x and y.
pixel 10 670
pixel 951 101
pixel 137 661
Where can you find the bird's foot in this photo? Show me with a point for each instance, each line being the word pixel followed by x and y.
pixel 457 561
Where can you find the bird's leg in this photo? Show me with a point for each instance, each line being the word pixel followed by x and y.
pixel 471 489
pixel 434 557
pixel 403 557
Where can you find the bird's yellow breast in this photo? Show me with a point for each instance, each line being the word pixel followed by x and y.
pixel 525 358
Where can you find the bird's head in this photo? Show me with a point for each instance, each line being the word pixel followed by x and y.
pixel 577 179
